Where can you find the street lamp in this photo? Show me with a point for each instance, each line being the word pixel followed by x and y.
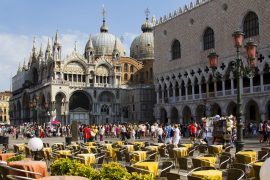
pixel 240 70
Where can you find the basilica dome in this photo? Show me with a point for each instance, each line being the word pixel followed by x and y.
pixel 142 46
pixel 104 43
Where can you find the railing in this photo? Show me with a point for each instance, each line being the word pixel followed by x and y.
pixel 267 87
pixel 211 94
pixel 219 93
pixel 197 96
pixel 228 92
pixel 183 98
pixel 256 88
pixel 77 84
pixel 203 95
pixel 246 90
pixel 177 98
pixel 171 99
pixel 190 97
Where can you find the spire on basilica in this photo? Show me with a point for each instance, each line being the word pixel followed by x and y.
pixel 24 66
pixel 40 51
pixel 147 26
pixel 56 39
pixel 34 54
pixel 19 67
pixel 48 49
pixel 104 27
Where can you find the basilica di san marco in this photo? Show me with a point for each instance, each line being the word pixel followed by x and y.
pixel 102 85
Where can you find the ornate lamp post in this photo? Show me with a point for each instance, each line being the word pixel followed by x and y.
pixel 240 70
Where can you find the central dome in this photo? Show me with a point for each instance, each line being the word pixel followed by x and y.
pixel 142 47
pixel 104 44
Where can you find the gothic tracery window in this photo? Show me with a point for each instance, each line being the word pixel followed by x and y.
pixel 251 25
pixel 176 49
pixel 208 39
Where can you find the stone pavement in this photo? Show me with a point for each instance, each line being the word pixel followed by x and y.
pixel 250 143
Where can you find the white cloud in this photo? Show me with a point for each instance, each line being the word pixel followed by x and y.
pixel 15 48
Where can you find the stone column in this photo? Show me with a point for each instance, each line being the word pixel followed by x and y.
pixel 251 85
pixel 200 90
pixel 162 96
pixel 157 97
pixel 207 90
pixel 223 87
pixel 173 93
pixel 261 81
pixel 232 87
pixel 186 89
pixel 215 88
pixel 263 116
pixel 193 91
pixel 180 93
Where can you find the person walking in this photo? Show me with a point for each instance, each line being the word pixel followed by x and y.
pixel 160 133
pixel 176 136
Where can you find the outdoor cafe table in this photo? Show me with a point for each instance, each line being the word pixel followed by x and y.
pixel 120 143
pixel 150 166
pixel 130 147
pixel 159 144
pixel 64 152
pixel 217 149
pixel 208 174
pixel 249 156
pixel 64 178
pixel 47 151
pixel 141 144
pixel 181 152
pixel 4 157
pixel 207 161
pixel 89 148
pixel 152 148
pixel 21 147
pixel 34 166
pixel 88 158
pixel 90 144
pixel 187 145
pixel 141 155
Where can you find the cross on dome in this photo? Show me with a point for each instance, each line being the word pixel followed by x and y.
pixel 147 12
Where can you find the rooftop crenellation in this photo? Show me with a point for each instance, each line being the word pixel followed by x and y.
pixel 180 11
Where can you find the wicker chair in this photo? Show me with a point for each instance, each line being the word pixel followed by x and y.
pixel 191 151
pixel 183 163
pixel 172 176
pixel 6 170
pixel 227 148
pixel 165 167
pixel 162 153
pixel 127 157
pixel 224 161
pixel 235 174
pixel 99 161
pixel 202 148
pixel 246 168
pixel 262 155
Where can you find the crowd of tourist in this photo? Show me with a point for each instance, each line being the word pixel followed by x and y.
pixel 163 133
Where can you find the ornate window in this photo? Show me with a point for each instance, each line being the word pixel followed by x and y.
pixel 208 39
pixel 125 67
pixel 105 109
pixel 251 25
pixel 125 77
pixel 131 77
pixel 176 49
pixel 131 68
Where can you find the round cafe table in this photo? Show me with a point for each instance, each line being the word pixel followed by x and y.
pixel 64 178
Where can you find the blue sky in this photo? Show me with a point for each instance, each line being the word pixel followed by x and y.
pixel 21 20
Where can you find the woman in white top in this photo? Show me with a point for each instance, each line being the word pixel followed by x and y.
pixel 176 137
